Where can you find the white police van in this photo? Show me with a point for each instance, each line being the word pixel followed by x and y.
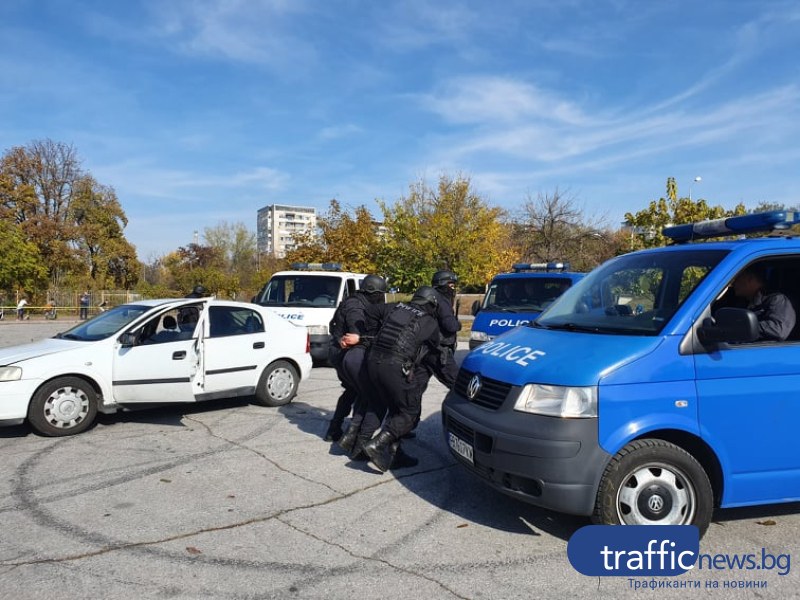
pixel 308 295
pixel 653 390
pixel 517 298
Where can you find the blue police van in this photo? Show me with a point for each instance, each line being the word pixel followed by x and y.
pixel 517 298
pixel 648 392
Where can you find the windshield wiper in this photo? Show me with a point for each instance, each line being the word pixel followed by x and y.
pixel 572 327
pixel 500 308
pixel 69 336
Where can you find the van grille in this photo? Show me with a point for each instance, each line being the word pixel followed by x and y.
pixel 491 395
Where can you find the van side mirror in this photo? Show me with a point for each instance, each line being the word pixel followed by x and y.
pixel 476 306
pixel 729 325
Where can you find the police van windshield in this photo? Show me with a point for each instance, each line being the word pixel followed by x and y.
pixel 635 294
pixel 524 294
pixel 301 290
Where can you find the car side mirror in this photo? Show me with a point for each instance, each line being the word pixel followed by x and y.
pixel 128 340
pixel 476 306
pixel 729 325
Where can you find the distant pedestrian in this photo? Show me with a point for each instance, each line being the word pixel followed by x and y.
pixel 197 292
pixel 86 300
pixel 21 309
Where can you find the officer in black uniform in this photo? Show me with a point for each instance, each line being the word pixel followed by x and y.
pixel 442 363
pixel 407 333
pixel 347 358
pixel 197 292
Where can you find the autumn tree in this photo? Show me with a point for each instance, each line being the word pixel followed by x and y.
pixel 350 240
pixel 646 225
pixel 446 227
pixel 75 223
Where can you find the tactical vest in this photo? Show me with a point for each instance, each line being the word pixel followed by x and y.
pixel 336 326
pixel 397 338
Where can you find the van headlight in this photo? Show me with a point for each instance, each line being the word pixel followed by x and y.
pixel 10 373
pixel 479 336
pixel 558 401
pixel 317 330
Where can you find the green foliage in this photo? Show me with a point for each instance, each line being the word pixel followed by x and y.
pixel 21 264
pixel 450 227
pixel 646 225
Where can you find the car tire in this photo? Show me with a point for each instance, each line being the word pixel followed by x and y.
pixel 654 482
pixel 63 406
pixel 277 384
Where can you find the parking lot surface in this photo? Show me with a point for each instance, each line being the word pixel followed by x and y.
pixel 234 500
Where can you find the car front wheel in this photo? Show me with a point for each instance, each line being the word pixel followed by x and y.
pixel 63 406
pixel 654 482
pixel 277 384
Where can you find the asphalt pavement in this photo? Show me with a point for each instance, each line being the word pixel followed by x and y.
pixel 234 500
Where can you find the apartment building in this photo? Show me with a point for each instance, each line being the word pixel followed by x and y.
pixel 277 224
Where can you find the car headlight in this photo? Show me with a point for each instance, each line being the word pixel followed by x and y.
pixel 317 330
pixel 558 401
pixel 479 336
pixel 10 373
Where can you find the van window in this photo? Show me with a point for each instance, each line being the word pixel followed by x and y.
pixel 632 295
pixel 524 294
pixel 301 290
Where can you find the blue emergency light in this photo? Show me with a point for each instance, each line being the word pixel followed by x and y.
pixel 766 221
pixel 549 266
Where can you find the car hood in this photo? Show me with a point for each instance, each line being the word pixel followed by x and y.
pixel 530 355
pixel 15 354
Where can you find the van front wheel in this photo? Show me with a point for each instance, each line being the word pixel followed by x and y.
pixel 654 482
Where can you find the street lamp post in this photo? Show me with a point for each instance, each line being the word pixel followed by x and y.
pixel 697 179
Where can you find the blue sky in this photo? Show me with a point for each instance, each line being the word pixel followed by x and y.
pixel 202 111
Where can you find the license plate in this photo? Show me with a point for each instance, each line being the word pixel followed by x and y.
pixel 460 447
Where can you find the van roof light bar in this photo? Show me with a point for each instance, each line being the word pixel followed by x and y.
pixel 306 266
pixel 766 221
pixel 549 266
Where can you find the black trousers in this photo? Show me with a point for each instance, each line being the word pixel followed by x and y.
pixel 348 365
pixel 401 395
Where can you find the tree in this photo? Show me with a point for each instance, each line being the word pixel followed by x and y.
pixel 449 227
pixel 75 223
pixel 646 225
pixel 237 250
pixel 351 241
pixel 98 224
pixel 20 263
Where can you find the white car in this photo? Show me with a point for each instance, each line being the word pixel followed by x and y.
pixel 152 351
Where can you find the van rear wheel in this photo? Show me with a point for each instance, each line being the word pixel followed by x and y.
pixel 654 482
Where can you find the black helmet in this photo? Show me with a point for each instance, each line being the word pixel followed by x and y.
pixel 372 284
pixel 425 295
pixel 199 289
pixel 441 278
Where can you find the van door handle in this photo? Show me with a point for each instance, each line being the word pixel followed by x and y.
pixel 258 345
pixel 179 355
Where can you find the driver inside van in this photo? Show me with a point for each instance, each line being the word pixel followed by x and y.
pixel 774 311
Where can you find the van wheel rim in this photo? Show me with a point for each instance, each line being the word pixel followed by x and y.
pixel 656 494
pixel 66 407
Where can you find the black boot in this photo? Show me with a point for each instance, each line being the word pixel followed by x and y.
pixel 379 450
pixel 357 453
pixel 348 439
pixel 334 432
pixel 401 459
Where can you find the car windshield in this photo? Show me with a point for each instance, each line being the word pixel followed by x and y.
pixel 301 290
pixel 105 324
pixel 636 294
pixel 524 294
